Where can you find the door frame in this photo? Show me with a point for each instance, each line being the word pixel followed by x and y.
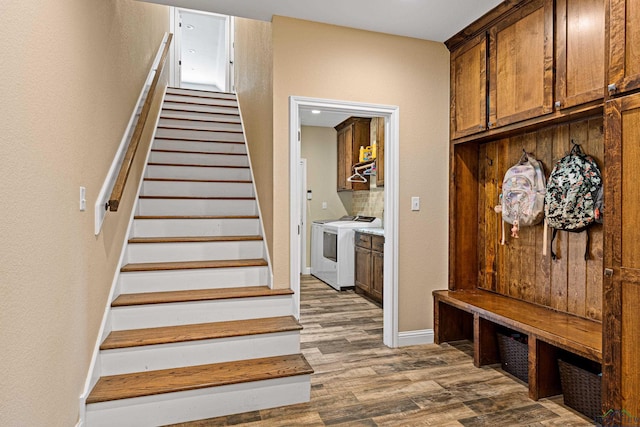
pixel 391 114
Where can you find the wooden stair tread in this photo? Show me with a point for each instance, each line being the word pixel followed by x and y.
pixel 196 198
pixel 173 101
pixel 197 332
pixel 188 119
pixel 194 239
pixel 196 377
pixel 197 295
pixel 209 153
pixel 197 166
pixel 189 265
pixel 185 110
pixel 227 181
pixel 198 130
pixel 168 138
pixel 196 217
pixel 196 92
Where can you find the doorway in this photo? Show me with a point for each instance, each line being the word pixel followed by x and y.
pixel 202 53
pixel 390 114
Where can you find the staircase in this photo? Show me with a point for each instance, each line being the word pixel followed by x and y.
pixel 195 331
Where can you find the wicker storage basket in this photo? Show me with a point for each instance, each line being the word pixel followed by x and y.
pixel 514 355
pixel 582 389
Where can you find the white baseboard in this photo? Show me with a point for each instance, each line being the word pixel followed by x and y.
pixel 306 270
pixel 424 336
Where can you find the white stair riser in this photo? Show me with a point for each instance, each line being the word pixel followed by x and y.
pixel 157 315
pixel 199 108
pixel 199 159
pixel 196 207
pixel 195 227
pixel 197 189
pixel 200 404
pixel 180 280
pixel 193 353
pixel 197 146
pixel 194 172
pixel 170 97
pixel 202 94
pixel 201 125
pixel 176 114
pixel 194 251
pixel 199 135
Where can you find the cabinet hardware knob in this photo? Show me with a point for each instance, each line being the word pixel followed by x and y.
pixel 612 87
pixel 608 272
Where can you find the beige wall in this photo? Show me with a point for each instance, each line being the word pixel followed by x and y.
pixel 254 85
pixel 75 71
pixel 324 61
pixel 319 146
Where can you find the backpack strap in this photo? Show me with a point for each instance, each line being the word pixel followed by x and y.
pixel 553 237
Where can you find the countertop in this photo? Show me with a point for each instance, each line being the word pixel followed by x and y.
pixel 378 231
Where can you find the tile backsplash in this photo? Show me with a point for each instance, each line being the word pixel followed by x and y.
pixel 368 203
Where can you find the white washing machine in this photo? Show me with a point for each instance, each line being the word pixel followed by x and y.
pixel 335 263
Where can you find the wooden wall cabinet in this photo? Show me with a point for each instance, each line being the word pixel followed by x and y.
pixel 624 46
pixel 580 44
pixel 379 139
pixel 469 88
pixel 622 262
pixel 352 133
pixel 521 65
pixel 369 265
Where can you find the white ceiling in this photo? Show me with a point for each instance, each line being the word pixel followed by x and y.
pixel 435 20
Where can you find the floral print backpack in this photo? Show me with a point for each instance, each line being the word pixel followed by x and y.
pixel 573 201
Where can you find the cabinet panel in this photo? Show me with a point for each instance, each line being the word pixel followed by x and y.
pixel 377 279
pixel 521 66
pixel 469 88
pixel 580 41
pixel 344 153
pixel 622 263
pixel 624 45
pixel 352 133
pixel 380 137
pixel 363 269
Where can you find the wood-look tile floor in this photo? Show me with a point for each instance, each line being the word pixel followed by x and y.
pixel 360 382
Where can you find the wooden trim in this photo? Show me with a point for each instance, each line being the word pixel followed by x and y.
pixel 195 239
pixel 225 181
pixel 201 120
pixel 198 130
pixel 196 217
pixel 612 289
pixel 193 265
pixel 203 105
pixel 155 150
pixel 195 198
pixel 127 162
pixel 167 138
pixel 184 110
pixel 197 166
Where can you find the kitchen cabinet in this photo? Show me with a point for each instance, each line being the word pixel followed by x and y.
pixel 580 40
pixel 379 142
pixel 352 134
pixel 521 65
pixel 369 265
pixel 469 88
pixel 624 46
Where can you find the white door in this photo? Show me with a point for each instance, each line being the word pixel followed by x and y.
pixel 203 51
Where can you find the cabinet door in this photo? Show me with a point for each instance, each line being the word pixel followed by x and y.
pixel 579 52
pixel 469 88
pixel 345 137
pixel 380 151
pixel 363 269
pixel 621 323
pixel 624 45
pixel 521 65
pixel 377 275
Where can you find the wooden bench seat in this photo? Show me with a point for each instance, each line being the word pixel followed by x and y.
pixel 476 315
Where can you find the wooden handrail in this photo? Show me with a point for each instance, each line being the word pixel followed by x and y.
pixel 125 168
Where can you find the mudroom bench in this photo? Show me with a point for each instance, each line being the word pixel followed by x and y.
pixel 478 315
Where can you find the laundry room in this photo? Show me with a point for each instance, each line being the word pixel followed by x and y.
pixel 343 185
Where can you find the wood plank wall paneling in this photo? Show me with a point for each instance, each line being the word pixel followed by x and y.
pixel 518 269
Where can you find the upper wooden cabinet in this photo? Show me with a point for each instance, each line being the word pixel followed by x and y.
pixel 624 46
pixel 580 42
pixel 469 88
pixel 352 133
pixel 521 65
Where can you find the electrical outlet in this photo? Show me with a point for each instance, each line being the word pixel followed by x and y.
pixel 415 203
pixel 324 205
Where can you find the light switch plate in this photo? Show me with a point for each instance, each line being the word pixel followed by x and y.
pixel 415 203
